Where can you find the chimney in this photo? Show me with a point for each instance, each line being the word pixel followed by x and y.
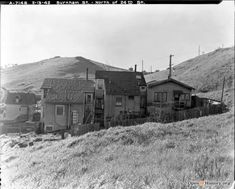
pixel 135 67
pixel 87 74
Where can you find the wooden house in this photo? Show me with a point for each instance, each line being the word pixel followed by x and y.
pixel 66 102
pixel 168 95
pixel 119 93
pixel 18 106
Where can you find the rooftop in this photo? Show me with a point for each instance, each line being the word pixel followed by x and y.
pixel 156 83
pixel 122 82
pixel 67 90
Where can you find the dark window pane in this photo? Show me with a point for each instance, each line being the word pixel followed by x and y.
pixel 118 101
pixel 59 110
pixel 131 97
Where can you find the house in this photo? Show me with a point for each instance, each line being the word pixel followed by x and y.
pixel 168 95
pixel 18 106
pixel 119 93
pixel 66 102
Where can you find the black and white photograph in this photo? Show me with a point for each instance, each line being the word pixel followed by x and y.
pixel 117 95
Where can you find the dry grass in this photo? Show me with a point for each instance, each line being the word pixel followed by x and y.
pixel 152 155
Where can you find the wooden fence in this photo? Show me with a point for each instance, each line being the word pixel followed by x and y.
pixel 173 116
pixel 18 127
pixel 77 130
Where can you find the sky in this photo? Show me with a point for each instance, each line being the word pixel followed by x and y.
pixel 117 35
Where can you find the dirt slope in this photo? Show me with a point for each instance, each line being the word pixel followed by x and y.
pixel 152 155
pixel 30 76
pixel 204 72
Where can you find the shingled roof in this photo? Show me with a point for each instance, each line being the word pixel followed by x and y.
pixel 122 82
pixel 156 83
pixel 23 98
pixel 67 90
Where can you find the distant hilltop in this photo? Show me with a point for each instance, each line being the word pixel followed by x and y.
pixel 205 72
pixel 29 77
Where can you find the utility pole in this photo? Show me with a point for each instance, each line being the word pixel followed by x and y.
pixel 142 65
pixel 222 91
pixel 199 51
pixel 170 67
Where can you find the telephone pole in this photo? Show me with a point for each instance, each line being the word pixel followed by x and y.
pixel 222 91
pixel 170 67
pixel 199 51
pixel 142 65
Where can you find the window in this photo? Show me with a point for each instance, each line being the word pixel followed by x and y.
pixel 100 83
pixel 75 116
pixel 49 128
pixel 160 96
pixel 143 88
pixel 118 101
pixel 88 98
pixel 138 76
pixel 59 110
pixel 17 99
pixel 184 96
pixel 45 93
pixel 131 97
pixel 187 96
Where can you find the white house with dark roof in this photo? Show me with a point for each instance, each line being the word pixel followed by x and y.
pixel 18 106
pixel 66 102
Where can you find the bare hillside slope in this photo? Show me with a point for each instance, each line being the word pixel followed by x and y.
pixel 30 76
pixel 204 72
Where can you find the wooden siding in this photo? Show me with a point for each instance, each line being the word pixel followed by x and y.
pixel 169 88
pixel 112 111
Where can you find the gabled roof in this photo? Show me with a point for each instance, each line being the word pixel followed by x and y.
pixel 23 98
pixel 156 83
pixel 122 82
pixel 67 90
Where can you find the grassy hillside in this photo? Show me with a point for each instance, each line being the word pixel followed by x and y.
pixel 30 76
pixel 228 96
pixel 204 72
pixel 152 155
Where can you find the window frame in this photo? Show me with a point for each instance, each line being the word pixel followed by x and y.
pixel 56 110
pixel 45 92
pixel 86 97
pixel 118 105
pixel 131 97
pixel 187 95
pixel 159 97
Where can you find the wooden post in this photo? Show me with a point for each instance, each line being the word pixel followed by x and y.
pixel 222 91
pixel 62 134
